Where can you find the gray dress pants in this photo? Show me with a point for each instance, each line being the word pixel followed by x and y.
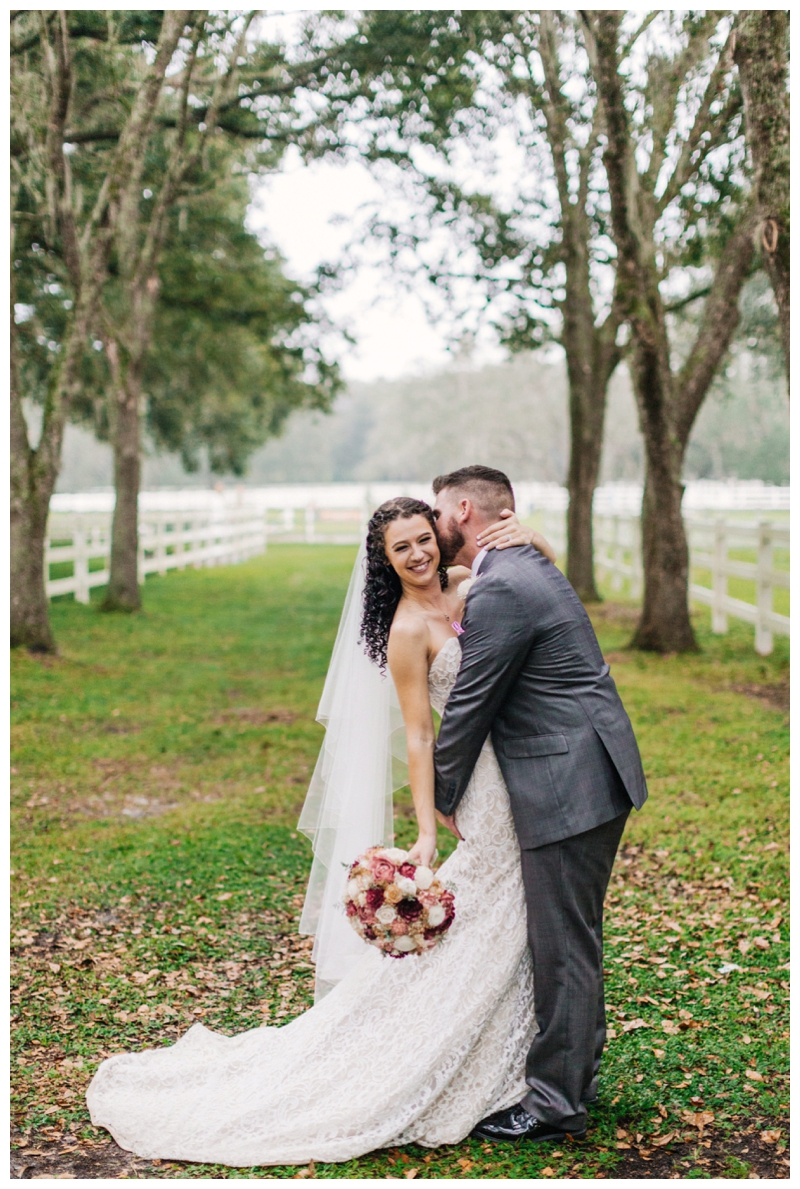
pixel 565 885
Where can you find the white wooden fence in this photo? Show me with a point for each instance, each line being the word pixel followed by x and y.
pixel 223 530
pixel 711 542
pixel 167 541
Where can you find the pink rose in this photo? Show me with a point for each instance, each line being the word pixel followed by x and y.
pixel 382 870
pixel 408 870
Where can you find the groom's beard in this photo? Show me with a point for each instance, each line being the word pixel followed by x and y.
pixel 451 542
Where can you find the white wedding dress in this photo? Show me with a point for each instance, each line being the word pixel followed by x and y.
pixel 415 1050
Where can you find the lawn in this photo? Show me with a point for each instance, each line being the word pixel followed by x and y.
pixel 160 762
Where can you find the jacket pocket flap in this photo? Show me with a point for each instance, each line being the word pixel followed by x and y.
pixel 521 746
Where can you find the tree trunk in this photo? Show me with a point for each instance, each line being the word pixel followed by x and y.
pixel 122 593
pixel 33 478
pixel 668 402
pixel 587 404
pixel 664 625
pixel 761 56
pixel 30 502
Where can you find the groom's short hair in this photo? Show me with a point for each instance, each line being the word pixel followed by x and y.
pixel 489 490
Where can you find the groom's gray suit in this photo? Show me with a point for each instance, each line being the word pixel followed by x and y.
pixel 533 675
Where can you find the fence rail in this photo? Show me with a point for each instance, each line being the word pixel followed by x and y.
pixel 167 541
pixel 711 542
pixel 223 535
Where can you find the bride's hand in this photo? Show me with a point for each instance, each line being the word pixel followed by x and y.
pixel 423 852
pixel 508 531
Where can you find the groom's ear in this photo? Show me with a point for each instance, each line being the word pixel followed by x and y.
pixel 465 509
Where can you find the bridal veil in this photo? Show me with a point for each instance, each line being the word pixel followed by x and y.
pixel 349 804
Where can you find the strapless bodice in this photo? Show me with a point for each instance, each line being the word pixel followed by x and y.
pixel 443 672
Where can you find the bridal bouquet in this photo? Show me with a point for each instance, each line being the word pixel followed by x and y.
pixel 396 905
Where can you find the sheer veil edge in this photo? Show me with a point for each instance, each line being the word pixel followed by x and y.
pixel 349 804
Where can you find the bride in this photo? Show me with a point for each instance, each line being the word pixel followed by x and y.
pixel 394 1052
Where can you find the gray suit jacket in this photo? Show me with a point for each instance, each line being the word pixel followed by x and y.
pixel 533 674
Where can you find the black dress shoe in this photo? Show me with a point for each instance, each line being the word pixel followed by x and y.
pixel 517 1124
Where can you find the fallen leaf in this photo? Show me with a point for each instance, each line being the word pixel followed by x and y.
pixel 698 1119
pixel 659 1054
pixel 761 942
pixel 663 1139
pixel 622 1146
pixel 631 1025
pixel 754 1075
pixel 670 1027
pixel 224 896
pixel 410 1173
pixel 771 1137
pixel 548 1172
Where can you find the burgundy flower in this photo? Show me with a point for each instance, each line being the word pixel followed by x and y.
pixel 409 910
pixel 374 899
pixel 369 933
pixel 351 909
pixel 408 870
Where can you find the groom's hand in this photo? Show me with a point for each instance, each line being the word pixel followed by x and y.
pixel 449 823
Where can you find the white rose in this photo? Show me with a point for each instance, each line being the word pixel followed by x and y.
pixel 395 854
pixel 423 878
pixel 364 881
pixel 385 914
pixel 404 945
pixel 435 915
pixel 360 899
pixel 353 888
pixel 406 886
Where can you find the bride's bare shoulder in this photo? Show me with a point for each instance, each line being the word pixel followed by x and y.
pixel 457 574
pixel 408 631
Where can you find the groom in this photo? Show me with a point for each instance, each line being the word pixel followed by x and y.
pixel 533 675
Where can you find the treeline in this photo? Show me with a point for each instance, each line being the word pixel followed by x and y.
pixel 652 185
pixel 514 416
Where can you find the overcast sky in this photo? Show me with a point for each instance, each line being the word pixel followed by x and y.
pixel 294 210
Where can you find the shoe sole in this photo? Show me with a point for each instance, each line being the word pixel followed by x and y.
pixel 557 1137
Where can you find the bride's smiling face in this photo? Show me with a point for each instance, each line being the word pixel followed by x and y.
pixel 412 550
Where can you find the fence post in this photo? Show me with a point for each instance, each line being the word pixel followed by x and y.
pixel 140 570
pixel 719 579
pixel 160 525
pixel 311 517
pixel 80 565
pixel 616 573
pixel 764 589
pixel 637 574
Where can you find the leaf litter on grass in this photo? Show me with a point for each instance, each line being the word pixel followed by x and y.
pixel 125 932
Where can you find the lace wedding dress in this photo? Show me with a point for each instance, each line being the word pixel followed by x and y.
pixel 415 1050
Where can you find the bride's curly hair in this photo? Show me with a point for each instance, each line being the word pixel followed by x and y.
pixel 382 588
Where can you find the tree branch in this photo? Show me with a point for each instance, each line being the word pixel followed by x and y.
pixel 719 321
pixel 702 123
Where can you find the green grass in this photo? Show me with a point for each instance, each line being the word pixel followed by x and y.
pixel 160 762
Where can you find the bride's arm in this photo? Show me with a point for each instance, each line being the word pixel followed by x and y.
pixel 407 654
pixel 507 532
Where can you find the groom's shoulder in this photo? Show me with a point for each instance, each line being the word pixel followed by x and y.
pixel 526 572
pixel 523 564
